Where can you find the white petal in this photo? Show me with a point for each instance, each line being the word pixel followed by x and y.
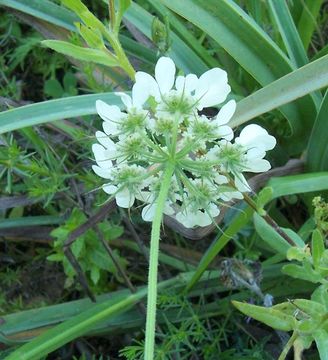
pixel 186 84
pixel 101 156
pixel 110 128
pixel 241 183
pixel 260 165
pixel 203 219
pixel 225 132
pixel 213 210
pixel 188 220
pixel 108 112
pixel 110 189
pixel 220 179
pixel 226 112
pixel 212 88
pixel 164 74
pixel 124 199
pixel 139 95
pixel 230 195
pixel 148 212
pixel 255 136
pixel 104 173
pixel 126 99
pixel 146 83
pixel 104 140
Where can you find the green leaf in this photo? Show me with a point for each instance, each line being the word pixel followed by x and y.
pixel 73 328
pixel 84 14
pixel 317 247
pixel 320 295
pixel 307 23
pixel 264 196
pixel 30 221
pixel 321 339
pixel 274 318
pixel 299 272
pixel 92 37
pixel 45 10
pixel 310 307
pixel 295 237
pixel 298 184
pixel 288 32
pixel 270 236
pixel 298 83
pixel 81 53
pixel 52 110
pixel 317 153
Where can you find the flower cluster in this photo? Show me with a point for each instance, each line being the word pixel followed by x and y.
pixel 162 124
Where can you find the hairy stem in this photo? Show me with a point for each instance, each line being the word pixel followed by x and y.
pixel 153 261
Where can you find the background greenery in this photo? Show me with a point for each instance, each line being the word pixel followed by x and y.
pixel 275 53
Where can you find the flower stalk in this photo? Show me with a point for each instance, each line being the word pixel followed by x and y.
pixel 153 261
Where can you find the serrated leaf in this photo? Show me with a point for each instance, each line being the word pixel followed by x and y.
pixel 274 318
pixel 82 53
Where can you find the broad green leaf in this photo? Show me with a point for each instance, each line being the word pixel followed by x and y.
pixel 269 235
pixel 97 56
pixel 307 23
pixel 317 152
pixel 53 110
pixel 321 340
pixel 288 32
pixel 298 83
pixel 274 318
pixel 317 247
pixel 219 243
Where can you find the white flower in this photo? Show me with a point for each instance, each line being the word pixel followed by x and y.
pixel 140 140
pixel 210 89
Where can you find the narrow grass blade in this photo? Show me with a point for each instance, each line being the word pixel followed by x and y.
pixel 308 20
pixel 317 153
pixel 53 110
pixel 298 83
pixel 288 32
pixel 30 221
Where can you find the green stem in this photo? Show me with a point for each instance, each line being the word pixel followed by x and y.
pixel 288 346
pixel 153 261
